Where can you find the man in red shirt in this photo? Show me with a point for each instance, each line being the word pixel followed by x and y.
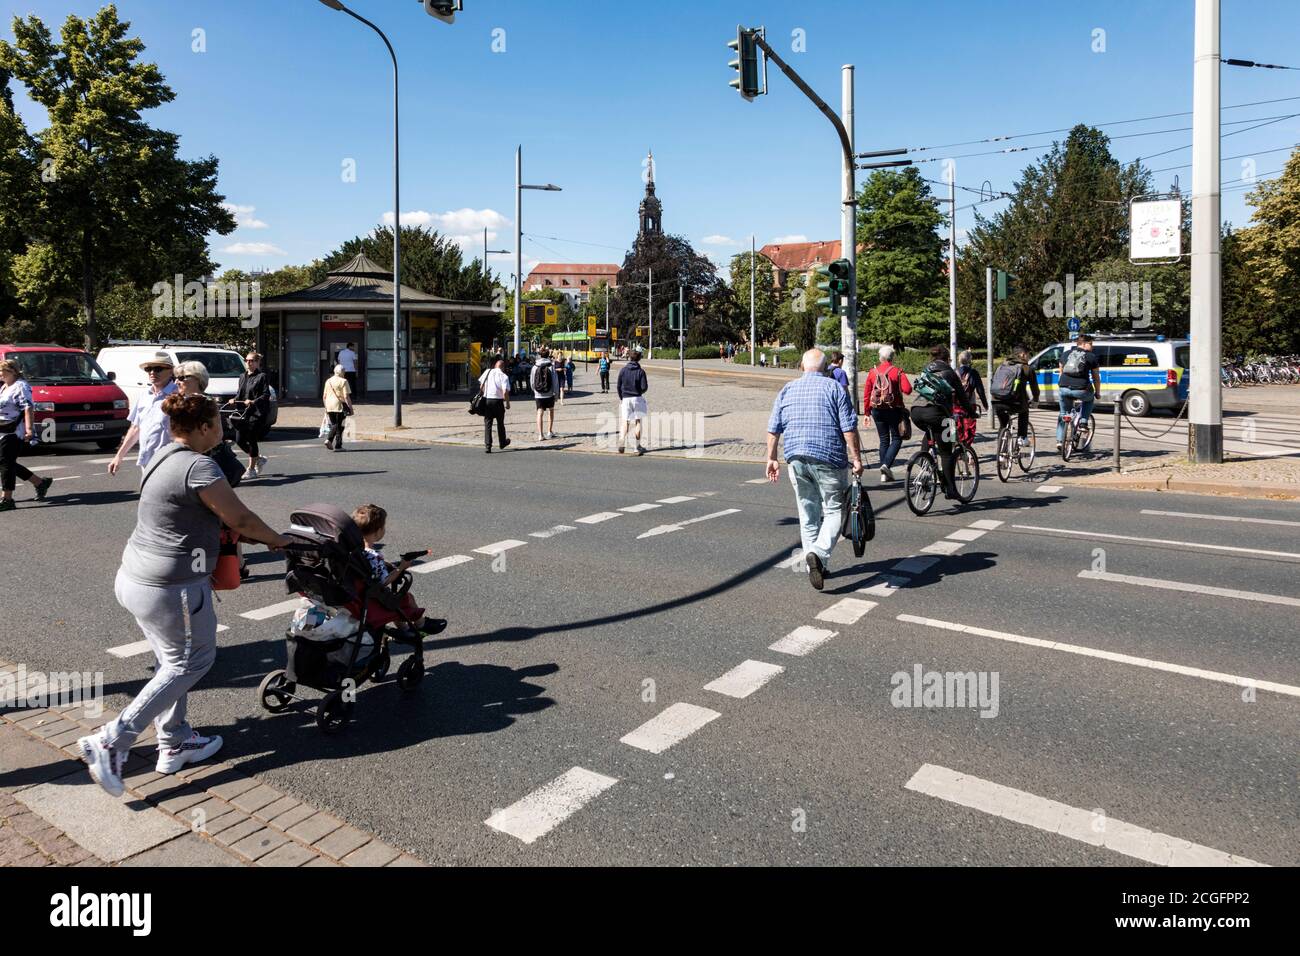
pixel 882 399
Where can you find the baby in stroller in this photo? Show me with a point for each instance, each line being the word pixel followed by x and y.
pixel 371 520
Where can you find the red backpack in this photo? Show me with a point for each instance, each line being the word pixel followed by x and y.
pixel 884 390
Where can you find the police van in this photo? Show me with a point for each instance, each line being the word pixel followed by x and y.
pixel 1141 372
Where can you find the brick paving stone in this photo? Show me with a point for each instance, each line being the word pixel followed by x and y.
pixel 316 827
pixel 224 822
pixel 234 787
pixel 255 799
pixel 373 853
pixel 257 845
pixel 407 860
pixel 54 728
pixel 68 737
pixel 273 810
pixel 321 861
pixel 33 719
pixel 342 841
pixel 234 834
pixel 292 817
pixel 290 854
pixel 178 803
pixel 163 785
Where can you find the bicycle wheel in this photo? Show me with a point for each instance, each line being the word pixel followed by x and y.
pixel 1029 450
pixel 965 472
pixel 922 482
pixel 1067 443
pixel 1084 434
pixel 1005 444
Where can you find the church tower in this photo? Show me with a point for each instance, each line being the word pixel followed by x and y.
pixel 651 210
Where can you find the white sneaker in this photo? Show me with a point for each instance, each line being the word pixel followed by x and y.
pixel 886 474
pixel 191 751
pixel 251 472
pixel 552 435
pixel 1022 442
pixel 262 462
pixel 104 765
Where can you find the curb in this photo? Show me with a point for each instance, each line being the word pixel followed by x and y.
pixel 1239 489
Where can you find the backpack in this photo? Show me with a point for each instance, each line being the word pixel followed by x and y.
pixel 1005 381
pixel 542 379
pixel 934 388
pixel 884 390
pixel 1074 362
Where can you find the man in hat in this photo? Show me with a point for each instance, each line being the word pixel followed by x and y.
pixel 149 424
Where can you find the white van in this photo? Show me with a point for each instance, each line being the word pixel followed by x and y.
pixel 122 363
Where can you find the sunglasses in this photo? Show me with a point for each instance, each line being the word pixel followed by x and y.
pixel 153 369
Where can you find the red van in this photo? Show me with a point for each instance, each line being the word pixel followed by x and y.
pixel 68 387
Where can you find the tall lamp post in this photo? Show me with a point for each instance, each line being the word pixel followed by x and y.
pixel 519 232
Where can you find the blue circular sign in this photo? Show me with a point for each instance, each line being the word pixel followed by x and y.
pixel 1073 324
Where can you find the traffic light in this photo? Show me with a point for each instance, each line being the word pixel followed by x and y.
pixel 838 275
pixel 746 63
pixel 444 10
pixel 1005 286
pixel 675 322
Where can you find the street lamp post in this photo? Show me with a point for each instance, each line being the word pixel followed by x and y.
pixel 519 232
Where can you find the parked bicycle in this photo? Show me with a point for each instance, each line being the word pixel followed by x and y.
pixel 925 475
pixel 1012 454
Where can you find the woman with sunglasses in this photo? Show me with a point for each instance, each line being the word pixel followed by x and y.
pixel 149 423
pixel 15 427
pixel 254 396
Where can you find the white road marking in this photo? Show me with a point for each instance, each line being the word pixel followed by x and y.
pixel 548 806
pixel 1189 514
pixel 759 481
pixel 1180 544
pixel 1048 489
pixel 633 509
pixel 130 650
pixel 598 517
pixel 676 499
pixel 274 610
pixel 552 532
pixel 986 524
pixel 1277 688
pixel 743 679
pixel 672 726
pixel 942 547
pixel 1067 821
pixel 500 546
pixel 71 477
pixel 669 528
pixel 886 585
pixel 794 562
pixel 967 534
pixel 99 461
pixel 913 565
pixel 1191 588
pixel 46 467
pixel 314 444
pixel 802 641
pixel 222 627
pixel 846 611
pixel 448 562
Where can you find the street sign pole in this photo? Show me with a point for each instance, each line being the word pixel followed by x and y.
pixel 988 329
pixel 681 334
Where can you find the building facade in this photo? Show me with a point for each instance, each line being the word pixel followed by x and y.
pixel 792 261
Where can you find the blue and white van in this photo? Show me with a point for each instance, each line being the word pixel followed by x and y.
pixel 1141 372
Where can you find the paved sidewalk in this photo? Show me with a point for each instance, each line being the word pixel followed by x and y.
pixel 209 814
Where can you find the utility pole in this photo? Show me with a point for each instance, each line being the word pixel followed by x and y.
pixel 519 238
pixel 952 260
pixel 753 341
pixel 848 232
pixel 650 309
pixel 988 330
pixel 681 334
pixel 1205 408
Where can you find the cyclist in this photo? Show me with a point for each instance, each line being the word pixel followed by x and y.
pixel 938 390
pixel 1080 378
pixel 1013 383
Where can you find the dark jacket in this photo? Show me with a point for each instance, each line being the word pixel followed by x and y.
pixel 974 384
pixel 256 389
pixel 945 371
pixel 632 381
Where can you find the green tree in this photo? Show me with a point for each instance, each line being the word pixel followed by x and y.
pixel 766 299
pixel 18 185
pixel 1166 286
pixel 673 261
pixel 116 201
pixel 798 314
pixel 902 285
pixel 1270 260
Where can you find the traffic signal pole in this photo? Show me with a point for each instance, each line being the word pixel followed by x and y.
pixel 988 330
pixel 681 334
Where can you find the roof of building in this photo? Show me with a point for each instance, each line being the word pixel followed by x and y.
pixel 358 280
pixel 800 256
pixel 574 268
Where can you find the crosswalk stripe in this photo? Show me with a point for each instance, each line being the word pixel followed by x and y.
pixel 130 650
pixel 552 532
pixel 915 565
pixel 759 481
pixel 672 726
pixel 45 467
pixel 1179 544
pixel 1191 588
pixel 598 517
pixel 1048 489
pixel 550 805
pixel 885 585
pixel 500 546
pixel 967 534
pixel 274 610
pixel 1250 682
pixel 943 547
pixel 676 499
pixel 743 679
pixel 986 524
pixel 634 509
pixel 678 526
pixel 803 640
pixel 846 611
pixel 1086 826
pixel 448 562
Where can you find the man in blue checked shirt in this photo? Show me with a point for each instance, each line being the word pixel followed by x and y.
pixel 815 418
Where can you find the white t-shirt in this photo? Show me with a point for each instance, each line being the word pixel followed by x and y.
pixel 495 383
pixel 13 399
pixel 348 359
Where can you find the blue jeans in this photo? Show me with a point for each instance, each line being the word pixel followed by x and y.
pixel 887 420
pixel 819 492
pixel 1065 398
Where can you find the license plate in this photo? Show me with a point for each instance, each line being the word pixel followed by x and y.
pixel 88 427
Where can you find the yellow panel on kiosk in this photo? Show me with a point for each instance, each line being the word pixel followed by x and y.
pixel 552 315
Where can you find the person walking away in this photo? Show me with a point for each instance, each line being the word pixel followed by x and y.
pixel 882 399
pixel 337 397
pixel 1080 378
pixel 496 399
pixel 568 373
pixel 974 386
pixel 939 392
pixel 814 420
pixel 164 582
pixel 632 386
pixel 545 384
pixel 604 372
pixel 254 395
pixel 347 357
pixel 16 429
pixel 838 373
pixel 1012 384
pixel 148 422
pixel 722 352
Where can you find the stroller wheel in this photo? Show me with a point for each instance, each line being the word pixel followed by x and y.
pixel 410 673
pixel 333 712
pixel 276 692
pixel 382 663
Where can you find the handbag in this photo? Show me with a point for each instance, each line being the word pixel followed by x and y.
pixel 226 576
pixel 476 404
pixel 859 520
pixel 905 427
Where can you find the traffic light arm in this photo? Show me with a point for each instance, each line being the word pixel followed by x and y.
pixel 797 80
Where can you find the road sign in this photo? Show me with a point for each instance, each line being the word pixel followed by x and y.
pixel 1073 325
pixel 591 326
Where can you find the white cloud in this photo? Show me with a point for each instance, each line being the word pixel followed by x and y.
pixel 454 223
pixel 718 241
pixel 782 240
pixel 254 249
pixel 244 216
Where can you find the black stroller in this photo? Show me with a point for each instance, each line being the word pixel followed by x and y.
pixel 327 564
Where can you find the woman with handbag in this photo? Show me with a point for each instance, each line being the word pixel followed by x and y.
pixel 338 406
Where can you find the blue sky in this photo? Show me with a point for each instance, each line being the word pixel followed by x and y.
pixel 288 90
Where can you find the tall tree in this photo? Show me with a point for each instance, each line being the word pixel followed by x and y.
pixel 765 296
pixel 673 261
pixel 901 280
pixel 1270 253
pixel 116 202
pixel 18 184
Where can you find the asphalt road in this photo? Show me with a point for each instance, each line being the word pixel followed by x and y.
pixel 561 646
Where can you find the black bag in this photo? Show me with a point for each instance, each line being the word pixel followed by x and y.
pixel 859 521
pixel 477 402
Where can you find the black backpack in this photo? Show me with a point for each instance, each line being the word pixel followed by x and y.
pixel 542 379
pixel 1005 381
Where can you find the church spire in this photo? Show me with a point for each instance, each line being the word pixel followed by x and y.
pixel 651 209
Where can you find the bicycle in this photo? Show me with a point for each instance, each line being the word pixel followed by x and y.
pixel 1010 451
pixel 925 474
pixel 1078 437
